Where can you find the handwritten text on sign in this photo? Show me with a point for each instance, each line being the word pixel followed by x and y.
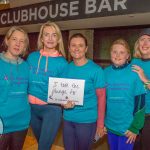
pixel 61 90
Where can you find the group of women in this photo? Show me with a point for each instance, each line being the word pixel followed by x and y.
pixel 122 88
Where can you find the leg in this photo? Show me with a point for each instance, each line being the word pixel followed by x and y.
pixel 85 133
pixel 36 121
pixel 122 145
pixel 4 141
pixel 138 143
pixel 17 140
pixel 69 135
pixel 145 134
pixel 51 119
pixel 113 141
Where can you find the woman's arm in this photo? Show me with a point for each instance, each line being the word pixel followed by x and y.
pixel 101 96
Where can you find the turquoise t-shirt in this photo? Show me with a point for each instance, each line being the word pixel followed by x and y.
pixel 14 106
pixel 38 76
pixel 94 78
pixel 145 65
pixel 122 85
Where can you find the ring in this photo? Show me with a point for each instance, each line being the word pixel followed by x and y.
pixel 136 69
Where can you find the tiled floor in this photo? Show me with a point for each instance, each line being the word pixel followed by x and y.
pixel 31 144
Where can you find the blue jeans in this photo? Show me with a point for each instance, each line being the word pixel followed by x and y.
pixel 78 136
pixel 117 142
pixel 45 122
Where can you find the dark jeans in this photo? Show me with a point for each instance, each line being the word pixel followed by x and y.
pixel 13 140
pixel 78 136
pixel 45 122
pixel 143 140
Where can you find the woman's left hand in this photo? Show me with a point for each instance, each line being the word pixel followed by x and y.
pixel 101 131
pixel 131 136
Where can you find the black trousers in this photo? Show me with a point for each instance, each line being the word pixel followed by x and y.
pixel 143 139
pixel 13 140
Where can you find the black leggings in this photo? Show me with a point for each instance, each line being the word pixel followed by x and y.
pixel 12 141
pixel 142 142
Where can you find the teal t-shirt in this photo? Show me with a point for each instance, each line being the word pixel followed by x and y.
pixel 39 76
pixel 94 78
pixel 145 65
pixel 14 106
pixel 122 85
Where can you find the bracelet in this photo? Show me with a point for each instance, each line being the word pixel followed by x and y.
pixel 147 83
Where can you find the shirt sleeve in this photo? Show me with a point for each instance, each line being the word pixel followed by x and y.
pixel 139 114
pixel 99 79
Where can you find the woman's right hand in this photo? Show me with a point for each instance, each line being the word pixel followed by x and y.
pixel 140 72
pixel 68 105
pixel 131 137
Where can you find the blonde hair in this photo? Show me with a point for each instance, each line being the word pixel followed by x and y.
pixel 9 34
pixel 58 32
pixel 124 44
pixel 137 53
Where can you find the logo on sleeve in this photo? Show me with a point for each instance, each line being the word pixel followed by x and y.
pixel 1 126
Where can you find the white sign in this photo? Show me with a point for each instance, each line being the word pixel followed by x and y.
pixel 61 90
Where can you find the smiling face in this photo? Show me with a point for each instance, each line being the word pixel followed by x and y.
pixel 49 38
pixel 144 46
pixel 78 48
pixel 16 44
pixel 119 55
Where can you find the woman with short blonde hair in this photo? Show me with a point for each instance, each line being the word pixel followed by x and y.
pixel 14 106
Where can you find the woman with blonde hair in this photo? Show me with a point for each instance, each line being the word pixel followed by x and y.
pixel 141 65
pixel 47 62
pixel 14 106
